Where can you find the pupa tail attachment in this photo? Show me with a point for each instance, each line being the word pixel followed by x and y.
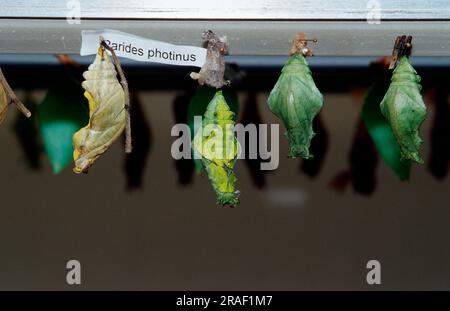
pixel 402 47
pixel 300 45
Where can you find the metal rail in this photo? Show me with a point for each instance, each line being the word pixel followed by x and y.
pixel 336 38
pixel 253 27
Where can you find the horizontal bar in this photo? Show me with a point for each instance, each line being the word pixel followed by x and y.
pixel 330 74
pixel 344 38
pixel 246 62
pixel 230 9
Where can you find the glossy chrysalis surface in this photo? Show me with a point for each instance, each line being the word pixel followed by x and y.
pixel 378 127
pixel 405 110
pixel 296 100
pixel 217 145
pixel 199 103
pixel 106 113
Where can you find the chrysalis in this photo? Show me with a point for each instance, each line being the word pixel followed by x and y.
pixel 403 107
pixel 61 114
pixel 106 112
pixel 378 127
pixel 296 100
pixel 200 101
pixel 217 145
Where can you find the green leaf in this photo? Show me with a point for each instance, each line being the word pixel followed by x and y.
pixel 200 101
pixel 62 112
pixel 296 100
pixel 404 109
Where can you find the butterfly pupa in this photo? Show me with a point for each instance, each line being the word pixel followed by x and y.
pixel 405 110
pixel 296 100
pixel 217 145
pixel 106 112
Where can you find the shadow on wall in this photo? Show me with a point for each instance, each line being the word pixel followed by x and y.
pixel 295 234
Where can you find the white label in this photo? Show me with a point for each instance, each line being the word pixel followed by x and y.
pixel 142 49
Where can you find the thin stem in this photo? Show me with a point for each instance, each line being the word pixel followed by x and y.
pixel 13 96
pixel 123 81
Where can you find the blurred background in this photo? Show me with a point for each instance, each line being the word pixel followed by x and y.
pixel 295 229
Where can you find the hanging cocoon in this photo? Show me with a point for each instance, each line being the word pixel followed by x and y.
pixel 296 100
pixel 217 145
pixel 404 109
pixel 106 112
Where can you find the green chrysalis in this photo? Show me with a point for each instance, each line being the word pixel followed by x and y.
pixel 296 100
pixel 62 112
pixel 404 109
pixel 379 128
pixel 217 145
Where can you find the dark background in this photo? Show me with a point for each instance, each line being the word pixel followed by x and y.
pixel 296 234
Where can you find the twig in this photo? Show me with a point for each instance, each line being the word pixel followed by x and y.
pixel 13 96
pixel 123 81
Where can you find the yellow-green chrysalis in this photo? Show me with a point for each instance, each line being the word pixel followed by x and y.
pixel 217 145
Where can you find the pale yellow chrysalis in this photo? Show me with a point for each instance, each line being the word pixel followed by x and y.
pixel 106 112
